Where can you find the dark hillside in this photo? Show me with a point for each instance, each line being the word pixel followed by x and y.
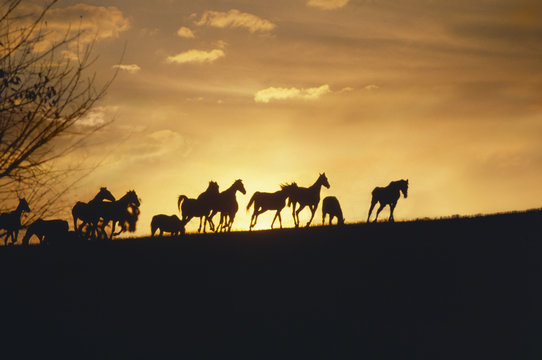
pixel 465 288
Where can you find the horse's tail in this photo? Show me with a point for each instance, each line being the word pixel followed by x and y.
pixel 251 201
pixel 180 200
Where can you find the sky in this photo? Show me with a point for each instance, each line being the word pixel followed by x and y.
pixel 446 94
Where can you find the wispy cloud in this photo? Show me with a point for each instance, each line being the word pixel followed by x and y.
pixel 196 56
pixel 185 32
pixel 132 69
pixel 372 87
pixel 94 22
pixel 327 4
pixel 274 93
pixel 235 18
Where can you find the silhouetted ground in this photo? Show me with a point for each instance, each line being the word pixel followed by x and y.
pixel 442 289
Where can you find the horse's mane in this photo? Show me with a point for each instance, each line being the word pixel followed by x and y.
pixel 288 185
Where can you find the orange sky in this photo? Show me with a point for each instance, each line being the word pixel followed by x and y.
pixel 447 94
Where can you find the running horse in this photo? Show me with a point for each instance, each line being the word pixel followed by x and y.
pixel 307 197
pixel 264 201
pixel 227 205
pixel 86 211
pixel 11 221
pixel 388 195
pixel 124 211
pixel 200 207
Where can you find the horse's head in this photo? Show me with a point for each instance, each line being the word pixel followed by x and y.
pixel 23 205
pixel 104 194
pixel 404 187
pixel 322 180
pixel 131 198
pixel 238 186
pixel 212 188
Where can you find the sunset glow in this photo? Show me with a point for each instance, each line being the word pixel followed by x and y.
pixel 447 94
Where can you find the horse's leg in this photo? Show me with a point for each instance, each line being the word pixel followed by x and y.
pixel 330 219
pixel 275 218
pixel 323 217
pixel 253 219
pixel 16 235
pixel 232 218
pixel 301 207
pixel 373 203
pixel 379 210
pixel 112 230
pixel 280 219
pixel 313 211
pixel 392 207
pixel 210 219
pixel 293 213
pixel 200 220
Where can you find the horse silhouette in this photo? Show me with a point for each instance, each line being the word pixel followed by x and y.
pixel 227 205
pixel 331 206
pixel 264 201
pixel 86 212
pixel 124 211
pixel 307 197
pixel 200 207
pixel 47 231
pixel 165 223
pixel 11 221
pixel 388 196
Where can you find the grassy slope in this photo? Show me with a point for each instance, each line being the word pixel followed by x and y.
pixel 442 289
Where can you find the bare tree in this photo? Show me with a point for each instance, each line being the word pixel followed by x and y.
pixel 46 87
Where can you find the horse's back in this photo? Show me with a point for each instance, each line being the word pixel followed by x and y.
pixel 331 205
pixel 168 223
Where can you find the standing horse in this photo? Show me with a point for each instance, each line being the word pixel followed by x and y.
pixel 227 205
pixel 388 196
pixel 85 211
pixel 200 207
pixel 269 201
pixel 11 221
pixel 124 211
pixel 331 206
pixel 165 223
pixel 47 231
pixel 307 197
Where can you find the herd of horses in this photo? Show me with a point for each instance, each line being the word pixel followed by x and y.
pixel 98 218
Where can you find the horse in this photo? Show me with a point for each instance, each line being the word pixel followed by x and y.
pixel 47 231
pixel 264 201
pixel 171 224
pixel 227 205
pixel 124 211
pixel 11 221
pixel 85 211
pixel 388 196
pixel 307 197
pixel 200 207
pixel 331 206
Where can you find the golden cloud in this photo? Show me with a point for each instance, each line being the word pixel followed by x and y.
pixel 273 93
pixel 235 18
pixel 94 23
pixel 327 4
pixel 132 69
pixel 196 56
pixel 185 32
